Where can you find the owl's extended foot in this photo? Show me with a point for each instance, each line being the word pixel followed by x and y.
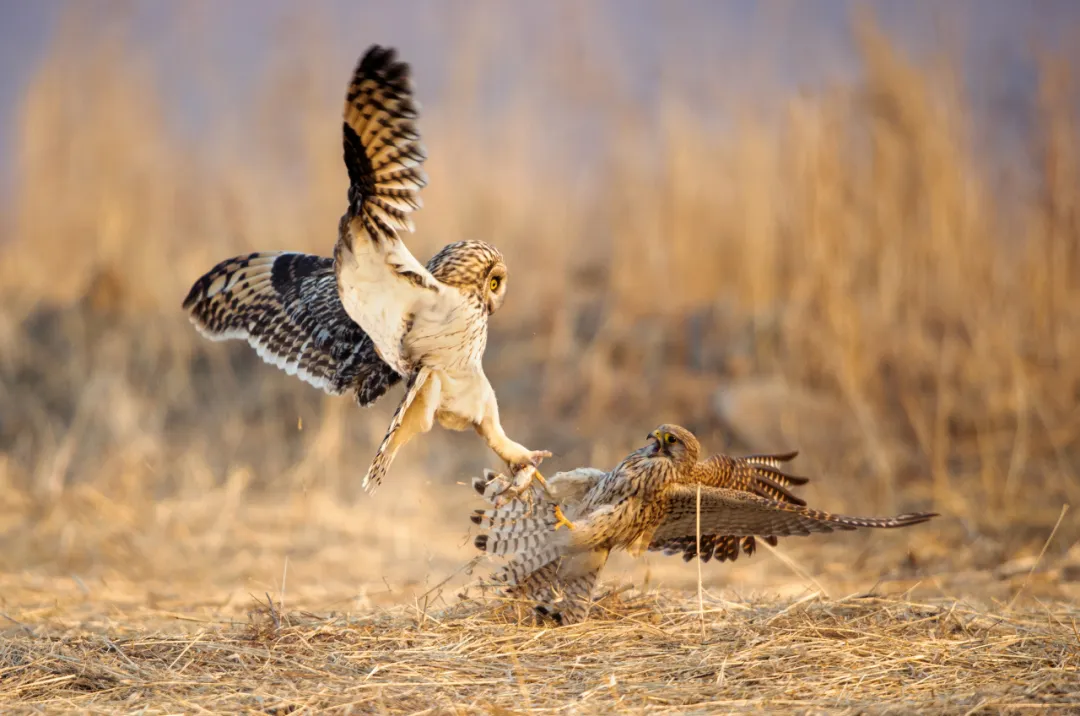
pixel 531 458
pixel 561 521
pixel 521 484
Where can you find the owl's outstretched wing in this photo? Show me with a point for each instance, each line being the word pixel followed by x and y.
pixel 286 306
pixel 380 281
pixel 741 514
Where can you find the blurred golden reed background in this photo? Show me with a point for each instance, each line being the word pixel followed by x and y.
pixel 843 269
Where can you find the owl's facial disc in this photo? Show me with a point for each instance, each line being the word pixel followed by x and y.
pixel 495 287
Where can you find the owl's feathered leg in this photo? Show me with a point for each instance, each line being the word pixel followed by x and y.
pixel 514 454
pixel 414 415
pixel 521 460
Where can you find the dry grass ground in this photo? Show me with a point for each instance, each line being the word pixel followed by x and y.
pixel 641 653
pixel 849 272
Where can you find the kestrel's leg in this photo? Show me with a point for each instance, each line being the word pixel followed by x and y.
pixel 560 519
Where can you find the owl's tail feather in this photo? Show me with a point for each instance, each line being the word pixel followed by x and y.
pixel 403 425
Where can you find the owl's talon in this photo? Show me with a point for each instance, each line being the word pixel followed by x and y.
pixel 543 483
pixel 520 484
pixel 537 456
pixel 561 521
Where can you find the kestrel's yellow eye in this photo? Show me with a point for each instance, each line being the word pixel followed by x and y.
pixel 495 282
pixel 670 439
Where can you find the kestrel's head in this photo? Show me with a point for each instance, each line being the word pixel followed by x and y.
pixel 475 267
pixel 674 442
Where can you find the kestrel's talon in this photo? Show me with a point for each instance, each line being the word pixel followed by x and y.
pixel 560 519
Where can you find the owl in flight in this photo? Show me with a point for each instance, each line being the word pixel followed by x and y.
pixel 649 501
pixel 373 315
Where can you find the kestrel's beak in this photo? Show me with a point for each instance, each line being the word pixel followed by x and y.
pixel 657 448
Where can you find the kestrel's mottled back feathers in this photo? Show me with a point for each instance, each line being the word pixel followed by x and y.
pixel 286 306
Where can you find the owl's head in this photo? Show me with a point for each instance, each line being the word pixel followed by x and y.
pixel 473 266
pixel 674 442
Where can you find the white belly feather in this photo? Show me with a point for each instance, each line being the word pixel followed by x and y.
pixel 412 325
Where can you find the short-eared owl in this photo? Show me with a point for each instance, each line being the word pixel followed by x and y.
pixel 372 314
pixel 649 501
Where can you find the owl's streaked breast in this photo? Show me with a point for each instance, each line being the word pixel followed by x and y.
pixel 450 336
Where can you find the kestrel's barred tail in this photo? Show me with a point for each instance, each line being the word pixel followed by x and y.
pixel 540 566
pixel 382 146
pixel 520 532
pixel 576 597
pixel 286 306
pixel 516 528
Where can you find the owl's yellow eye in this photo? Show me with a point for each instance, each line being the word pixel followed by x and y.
pixel 670 439
pixel 495 282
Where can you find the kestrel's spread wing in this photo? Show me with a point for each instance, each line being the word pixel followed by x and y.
pixel 286 306
pixel 742 515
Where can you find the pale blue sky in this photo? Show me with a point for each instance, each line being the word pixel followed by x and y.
pixel 744 44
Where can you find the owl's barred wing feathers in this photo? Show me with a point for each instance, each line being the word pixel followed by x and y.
pixel 383 153
pixel 742 515
pixel 381 283
pixel 286 306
